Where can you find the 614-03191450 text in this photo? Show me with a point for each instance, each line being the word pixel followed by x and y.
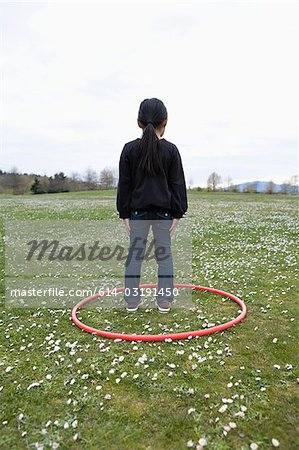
pixel 61 292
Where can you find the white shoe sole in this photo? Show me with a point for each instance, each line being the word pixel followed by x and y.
pixel 134 309
pixel 162 310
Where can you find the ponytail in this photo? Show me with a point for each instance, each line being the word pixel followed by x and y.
pixel 152 112
pixel 150 161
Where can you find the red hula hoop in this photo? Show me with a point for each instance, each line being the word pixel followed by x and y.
pixel 161 337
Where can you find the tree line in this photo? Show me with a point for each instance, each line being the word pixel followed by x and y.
pixel 214 181
pixel 21 183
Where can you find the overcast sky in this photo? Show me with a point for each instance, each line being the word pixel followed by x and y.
pixel 74 74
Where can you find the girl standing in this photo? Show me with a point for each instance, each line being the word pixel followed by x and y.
pixel 151 191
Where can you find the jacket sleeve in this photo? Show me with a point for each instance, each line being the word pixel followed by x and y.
pixel 177 185
pixel 124 187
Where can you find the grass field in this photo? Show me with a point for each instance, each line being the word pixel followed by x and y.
pixel 64 388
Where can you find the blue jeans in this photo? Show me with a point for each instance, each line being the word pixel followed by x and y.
pixel 140 223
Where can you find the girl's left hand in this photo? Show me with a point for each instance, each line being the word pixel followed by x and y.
pixel 173 227
pixel 127 226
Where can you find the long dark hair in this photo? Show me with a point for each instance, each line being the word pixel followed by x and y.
pixel 152 113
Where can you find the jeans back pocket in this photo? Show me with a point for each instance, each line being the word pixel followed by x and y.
pixel 138 214
pixel 163 215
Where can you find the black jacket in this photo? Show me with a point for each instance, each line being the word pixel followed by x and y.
pixel 163 192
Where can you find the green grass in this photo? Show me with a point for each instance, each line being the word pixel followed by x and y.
pixel 242 243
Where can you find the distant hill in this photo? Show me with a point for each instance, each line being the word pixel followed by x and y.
pixel 263 186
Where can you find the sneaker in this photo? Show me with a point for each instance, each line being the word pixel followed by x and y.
pixel 133 307
pixel 164 306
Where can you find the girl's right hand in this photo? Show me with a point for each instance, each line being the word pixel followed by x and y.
pixel 127 226
pixel 173 227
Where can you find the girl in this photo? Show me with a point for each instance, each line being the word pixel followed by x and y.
pixel 151 191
